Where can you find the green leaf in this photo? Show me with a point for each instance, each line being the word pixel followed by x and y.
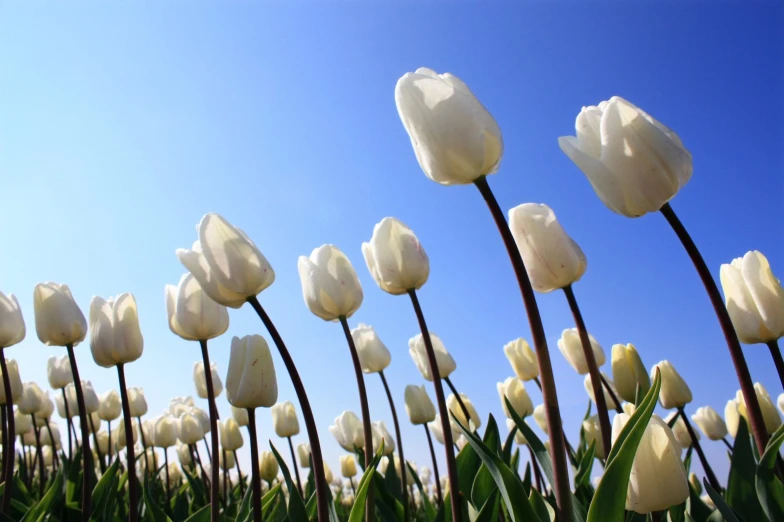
pixel 696 508
pixel 296 508
pixel 430 511
pixel 358 509
pixel 506 452
pixel 392 482
pixel 609 502
pixel 105 494
pixel 490 509
pixel 541 506
pixel 726 511
pixel 770 490
pixel 154 509
pixel 583 474
pixel 741 494
pixel 202 515
pixel 39 511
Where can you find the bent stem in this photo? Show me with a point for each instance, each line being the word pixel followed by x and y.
pixel 435 463
pixel 215 463
pixel 593 369
pixel 87 455
pixel 731 337
pixel 773 346
pixel 611 393
pixel 296 468
pixel 727 443
pixel 370 507
pixel 97 447
pixel 144 443
pixel 714 482
pixel 69 427
pixel 4 442
pixel 467 415
pixel 563 493
pixel 307 413
pixel 446 428
pixel 8 472
pixel 254 457
pixel 403 464
pixel 133 485
pixel 537 471
pixel 239 474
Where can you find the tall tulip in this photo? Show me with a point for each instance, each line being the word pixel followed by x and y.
pixel 348 431
pixel 513 390
pixel 268 466
pixel 286 425
pixel 12 331
pixel 200 381
pixel 231 441
pixel 304 454
pixel 164 436
pixel 711 424
pixel 523 359
pixel 629 372
pixel 421 411
pixel 675 393
pixel 115 336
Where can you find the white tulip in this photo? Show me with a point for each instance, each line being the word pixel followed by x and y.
pixel 523 359
pixel 303 453
pixel 251 380
pixel 164 431
pixel 419 407
pixel 58 371
pixel 608 398
pixel 675 393
pixel 513 389
pixel 381 433
pixel 373 355
pixel 192 314
pixel 330 284
pixel 348 431
pixel 437 431
pixel 770 415
pixel 240 416
pixel 593 433
pixel 444 361
pixel 58 319
pixel 454 407
pixel 572 349
pixel 711 424
pixel 110 407
pixel 519 437
pixel 284 419
pixel 17 388
pixel 189 428
pixel 12 325
pixel 31 399
pixel 540 416
pixel 137 402
pixel 115 336
pixel 200 379
pixel 395 258
pixel 230 435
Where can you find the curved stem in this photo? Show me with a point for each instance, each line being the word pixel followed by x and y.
pixel 562 488
pixel 8 472
pixel 467 415
pixel 254 458
pixel 537 471
pixel 714 482
pixel 295 467
pixel 773 346
pixel 207 448
pixel 225 481
pixel 40 456
pixel 109 429
pixel 353 489
pixel 403 464
pixel 307 412
pixel 370 506
pixel 215 463
pixel 87 454
pixel 611 393
pixel 97 447
pixel 69 424
pixel 166 465
pixel 446 428
pixel 731 337
pixel 144 445
pixel 727 443
pixel 435 463
pixel 3 422
pixel 133 485
pixel 239 474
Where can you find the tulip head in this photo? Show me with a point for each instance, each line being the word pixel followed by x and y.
pixel 284 419
pixel 711 424
pixel 455 139
pixel 540 416
pixel 32 397
pixel 226 263
pixel 23 424
pixel 755 298
pixel 268 466
pixel 91 401
pixel 435 428
pixel 189 428
pixel 629 372
pixel 137 402
pixel 634 163
pixel 608 399
pixel 192 314
pixel 348 431
pixel 17 388
pixel 303 453
pixel 115 335
pixel 675 393
pixel 523 359
pixel 110 406
pixel 519 437
pixel 419 407
pixel 348 465
pixel 184 455
pixel 769 413
pixel 58 319
pixel 593 434
pixel 179 405
pixel 230 435
pixel 12 325
pixel 679 430
pixel 240 416
pixel 119 439
pixel 58 371
pixel 330 284
pixel 452 404
pixel 45 411
pixel 381 433
pixel 395 258
pixel 200 380
pixel 572 349
pixel 164 431
pixel 513 390
pixel 373 355
pixel 173 474
pixel 418 351
pixel 251 380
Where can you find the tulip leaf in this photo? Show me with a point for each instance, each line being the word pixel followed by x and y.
pixel 38 511
pixel 392 482
pixel 695 507
pixel 104 494
pixel 202 515
pixel 492 438
pixel 770 490
pixel 583 474
pixel 541 506
pixel 506 451
pixel 609 502
pixel 430 511
pixel 729 514
pixel 296 508
pixel 367 480
pixel 490 509
pixel 741 494
pixel 157 514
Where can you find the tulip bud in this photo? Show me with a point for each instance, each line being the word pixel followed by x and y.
pixel 769 413
pixel 380 433
pixel 457 411
pixel 88 393
pixel 72 410
pixel 373 355
pixel 226 263
pixel 455 139
pixel 348 465
pixel 192 314
pixel 462 441
pixel 540 416
pixel 395 258
pixel 328 474
pixel 149 460
pixel 240 416
pixel 608 398
pixel 634 163
pixel 675 393
pixel 629 408
pixel 138 404
pixel 424 475
pixel 695 483
pixel 513 389
pixel 58 370
pixel 58 319
pixel 417 350
pixel 438 433
pixel 399 469
pixel 200 380
pixel 710 423
pixel 174 475
pixel 629 372
pixel 572 349
pixel 330 285
pixel 189 428
pixel 679 430
pixel 104 444
pixel 348 431
pixel 519 437
pixel 12 326
pixel 523 359
pixel 658 455
pixel 45 411
pixel 284 419
pixel 115 336
pixel 184 455
pixel 179 405
pixel 17 388
pixel 755 298
pixel 251 380
pixel 31 398
pixel 303 452
pixel 204 419
pixel 230 435
pixel 22 423
pixel 593 434
pixel 164 432
pixel 419 407
pixel 268 466
pixel 226 459
pixel 110 407
pixel 53 440
pixel 119 439
pixel 552 259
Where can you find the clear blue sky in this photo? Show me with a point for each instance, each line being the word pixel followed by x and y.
pixel 121 125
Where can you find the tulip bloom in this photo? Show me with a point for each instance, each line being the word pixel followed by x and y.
pixel 373 355
pixel 572 350
pixel 109 407
pixel 115 336
pixel 435 429
pixel 416 348
pixel 200 380
pixel 17 388
pixel 12 325
pixel 284 419
pixel 679 430
pixel 348 466
pixel 164 432
pixel 58 319
pixel 675 393
pixel 519 437
pixel 769 413
pixel 381 433
pixel 608 393
pixel 303 452
pixel 268 466
pixel 251 380
pixel 240 416
pixel 541 418
pixel 189 429
pixel 513 389
pixel 137 402
pixel 711 424
pixel 593 434
pixel 454 408
pixel 193 315
pixel 91 401
pixel 230 435
pixel 395 258
pixel 629 372
pixel 523 359
pixel 330 284
pixel 31 398
pixel 348 431
pixel 58 371
pixel 419 407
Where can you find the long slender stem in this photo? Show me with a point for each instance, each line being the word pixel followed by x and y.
pixel 446 428
pixel 3 421
pixel 295 466
pixel 307 412
pixel 353 489
pixel 207 448
pixel 593 368
pixel 463 407
pixel 109 429
pixel 53 443
pixel 563 493
pixel 8 475
pixel 87 454
pixel 435 463
pixel 727 443
pixel 97 447
pixel 370 506
pixel 773 346
pixel 225 481
pixel 254 458
pixel 166 465
pixel 731 337
pixel 714 482
pixel 537 471
pixel 39 456
pixel 69 424
pixel 215 464
pixel 569 448
pixel 239 474
pixel 144 444
pixel 133 485
pixel 611 393
pixel 403 464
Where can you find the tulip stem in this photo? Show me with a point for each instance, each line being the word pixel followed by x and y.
pixel 215 462
pixel 133 485
pixel 87 455
pixel 69 424
pixel 714 482
pixel 144 443
pixel 3 421
pixel 55 457
pixel 239 474
pixel 353 489
pixel 39 456
pixel 254 458
pixel 367 430
pixel 773 346
pixel 563 493
pixel 166 465
pixel 727 443
pixel 467 415
pixel 537 471
pixel 435 463
pixel 446 427
pixel 403 473
pixel 225 481
pixel 207 448
pixel 569 447
pixel 731 337
pixel 296 468
pixel 8 475
pixel 97 447
pixel 307 413
pixel 611 393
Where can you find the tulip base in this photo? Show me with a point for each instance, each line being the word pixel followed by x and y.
pixel 10 452
pixel 87 454
pixel 133 484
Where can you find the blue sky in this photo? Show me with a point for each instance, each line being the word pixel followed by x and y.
pixel 122 125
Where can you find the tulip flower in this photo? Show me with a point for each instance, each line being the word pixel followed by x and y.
pixel 109 407
pixel 284 419
pixel 45 410
pixel 91 401
pixel 519 437
pixel 780 403
pixel 122 439
pixel 115 336
pixel 435 428
pixel 58 370
pixel 473 421
pixel 329 283
pixel 268 466
pixel 203 417
pixel 149 462
pixel 380 433
pixel 58 319
pixel 22 423
pixel 137 402
pixel 226 263
pixel 513 389
pixel 523 359
pixel 240 415
pixel 192 314
pixel 395 258
pixel 189 429
pixel 572 350
pixel 593 435
pixel 374 356
pixel 172 474
pixel 657 456
pixel 629 372
pixel 250 380
pixel 303 452
pixel 679 430
pixel 14 380
pixel 31 398
pixel 419 407
pixel 732 416
pixel 348 466
pixel 540 417
pixel 184 455
pixel 164 432
pixel 770 415
pixel 687 436
pixel 103 442
pixel 348 431
pixel 417 350
pixel 675 393
pixel 230 436
pixel 608 389
pixel 711 424
pixel 12 325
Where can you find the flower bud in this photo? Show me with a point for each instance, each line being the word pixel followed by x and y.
pixel 200 380
pixel 711 424
pixel 540 416
pixel 419 407
pixel 192 314
pixel 593 434
pixel 115 336
pixel 284 419
pixel 679 430
pixel 455 409
pixel 137 402
pixel 91 401
pixel 58 319
pixel 330 285
pixel 17 388
pixel 523 359
pixel 348 465
pixel 608 399
pixel 268 466
pixel 104 444
pixel 119 439
pixel 348 431
pixel 184 454
pixel 174 475
pixel 328 474
pixel 395 258
pixel 226 459
pixel 204 419
pixel 770 415
pixel 438 433
pixel 22 423
pixel 416 348
pixel 164 432
pixel 381 433
pixel 31 398
pixel 513 389
pixel 572 349
pixel 46 410
pixel 12 326
pixel 251 380
pixel 732 416
pixel 230 435
pixel 110 406
pixel 399 470
pixel 519 437
pixel 629 372
pixel 373 355
pixel 424 475
pixel 240 416
pixel 179 405
pixel 58 370
pixel 694 480
pixel 303 453
pixel 189 429
pixel 675 393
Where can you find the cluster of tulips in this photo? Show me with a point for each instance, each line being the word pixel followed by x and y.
pixel 635 164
